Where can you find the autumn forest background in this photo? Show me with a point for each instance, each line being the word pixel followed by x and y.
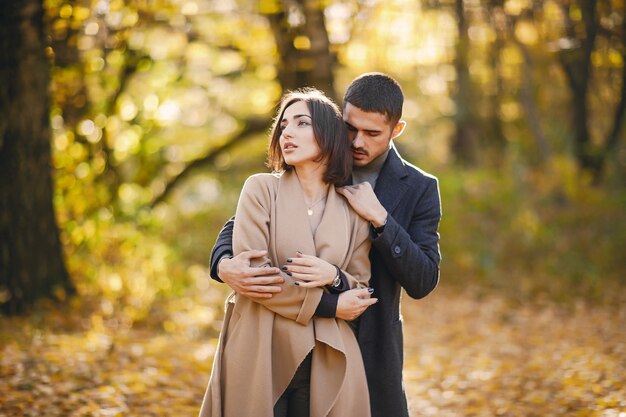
pixel 127 128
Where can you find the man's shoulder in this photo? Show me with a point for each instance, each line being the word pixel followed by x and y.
pixel 417 174
pixel 420 183
pixel 415 170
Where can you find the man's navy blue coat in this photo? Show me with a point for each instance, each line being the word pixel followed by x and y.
pixel 406 255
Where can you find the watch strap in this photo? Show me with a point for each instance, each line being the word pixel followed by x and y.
pixel 378 230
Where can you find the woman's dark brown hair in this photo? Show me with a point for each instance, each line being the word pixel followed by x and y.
pixel 329 130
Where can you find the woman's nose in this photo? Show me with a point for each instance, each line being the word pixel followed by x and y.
pixel 287 132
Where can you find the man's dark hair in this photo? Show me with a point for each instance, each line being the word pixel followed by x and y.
pixel 376 92
pixel 329 130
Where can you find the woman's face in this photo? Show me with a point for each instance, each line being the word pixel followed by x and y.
pixel 297 140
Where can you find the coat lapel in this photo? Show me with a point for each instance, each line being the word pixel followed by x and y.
pixel 291 228
pixel 389 187
pixel 332 237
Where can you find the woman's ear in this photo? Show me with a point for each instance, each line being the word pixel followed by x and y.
pixel 398 129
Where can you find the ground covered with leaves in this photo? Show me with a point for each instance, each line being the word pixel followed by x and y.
pixel 466 353
pixel 481 355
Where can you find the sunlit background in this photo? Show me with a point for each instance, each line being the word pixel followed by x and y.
pixel 160 110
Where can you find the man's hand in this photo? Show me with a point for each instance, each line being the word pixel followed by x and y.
pixel 310 271
pixel 353 303
pixel 363 200
pixel 249 281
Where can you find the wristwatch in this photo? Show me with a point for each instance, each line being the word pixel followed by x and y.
pixel 337 280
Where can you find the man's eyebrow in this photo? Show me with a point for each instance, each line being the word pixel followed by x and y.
pixel 366 130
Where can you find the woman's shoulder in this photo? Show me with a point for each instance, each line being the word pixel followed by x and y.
pixel 355 219
pixel 264 178
pixel 263 183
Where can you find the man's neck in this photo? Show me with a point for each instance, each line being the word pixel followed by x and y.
pixel 375 165
pixel 371 171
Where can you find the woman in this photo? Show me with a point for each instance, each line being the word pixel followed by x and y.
pixel 275 358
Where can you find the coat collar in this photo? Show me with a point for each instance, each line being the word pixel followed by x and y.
pixel 292 228
pixel 390 186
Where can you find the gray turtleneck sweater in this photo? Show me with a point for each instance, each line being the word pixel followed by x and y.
pixel 370 171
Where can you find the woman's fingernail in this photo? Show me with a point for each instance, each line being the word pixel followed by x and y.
pixel 289 260
pixel 288 273
pixel 370 290
pixel 296 283
pixel 284 268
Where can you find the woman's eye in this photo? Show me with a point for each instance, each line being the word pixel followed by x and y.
pixel 303 123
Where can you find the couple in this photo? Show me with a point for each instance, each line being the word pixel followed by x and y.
pixel 301 334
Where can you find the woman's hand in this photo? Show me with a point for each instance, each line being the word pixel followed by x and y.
pixel 310 271
pixel 352 303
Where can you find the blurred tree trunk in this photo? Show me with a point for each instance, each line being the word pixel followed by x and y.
pixel 576 62
pixel 495 14
pixel 530 104
pixel 31 259
pixel 616 131
pixel 303 46
pixel 464 139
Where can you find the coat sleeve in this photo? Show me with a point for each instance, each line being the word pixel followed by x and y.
pixel 252 231
pixel 356 273
pixel 412 255
pixel 223 247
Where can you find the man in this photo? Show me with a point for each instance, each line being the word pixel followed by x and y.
pixel 402 204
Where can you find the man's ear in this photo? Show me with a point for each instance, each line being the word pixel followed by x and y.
pixel 398 129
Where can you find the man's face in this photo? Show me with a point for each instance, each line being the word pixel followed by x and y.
pixel 369 133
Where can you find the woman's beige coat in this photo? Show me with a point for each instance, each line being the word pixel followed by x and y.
pixel 262 343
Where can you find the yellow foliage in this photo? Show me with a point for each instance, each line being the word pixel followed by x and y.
pixel 466 353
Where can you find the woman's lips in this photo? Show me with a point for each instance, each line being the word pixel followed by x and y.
pixel 289 146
